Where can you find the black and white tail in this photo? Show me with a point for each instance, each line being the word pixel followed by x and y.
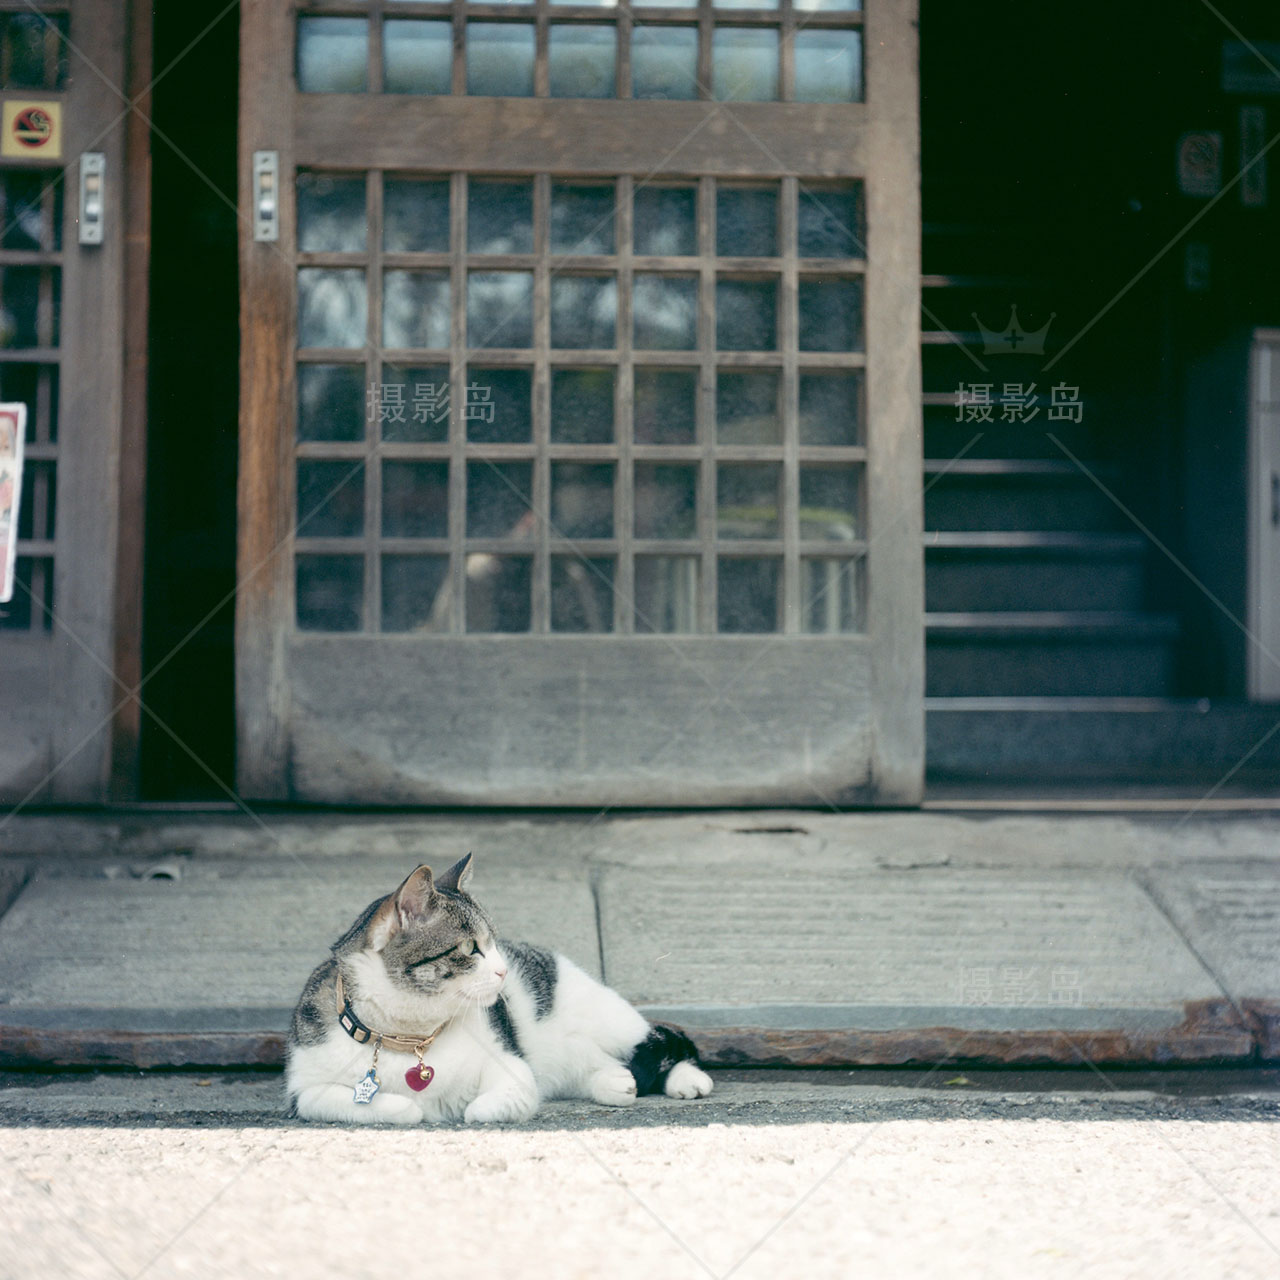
pixel 666 1061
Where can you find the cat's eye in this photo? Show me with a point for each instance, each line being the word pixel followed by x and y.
pixel 475 949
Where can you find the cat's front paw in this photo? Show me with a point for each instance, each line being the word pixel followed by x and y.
pixel 685 1080
pixel 498 1107
pixel 614 1086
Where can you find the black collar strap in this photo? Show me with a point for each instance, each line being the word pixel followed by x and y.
pixel 357 1030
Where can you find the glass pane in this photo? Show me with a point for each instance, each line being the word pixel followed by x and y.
pixel 666 594
pixel 499 406
pixel 23 322
pixel 664 62
pixel 582 499
pixel 330 498
pixel 499 499
pixel 583 60
pixel 415 593
pixel 500 59
pixel 39 482
pixel 582 218
pixel 582 406
pixel 744 64
pixel 831 595
pixel 584 311
pixel 331 307
pixel 500 309
pixel 33 51
pixel 831 315
pixel 830 223
pixel 417 57
pixel 666 4
pixel 831 408
pixel 747 407
pixel 27 222
pixel 828 6
pixel 498 593
pixel 666 500
pixel 23 382
pixel 745 4
pixel 415 499
pixel 330 592
pixel 747 222
pixel 415 403
pixel 415 309
pixel 747 601
pixel 499 217
pixel 415 215
pixel 666 403
pixel 666 221
pixel 748 500
pixel 331 402
pixel 746 315
pixel 581 594
pixel 333 55
pixel 828 66
pixel 829 503
pixel 330 213
pixel 665 312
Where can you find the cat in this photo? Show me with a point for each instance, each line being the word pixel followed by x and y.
pixel 420 1013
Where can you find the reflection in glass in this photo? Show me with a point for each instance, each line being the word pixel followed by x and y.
pixel 582 406
pixel 331 307
pixel 581 594
pixel 666 223
pixel 329 592
pixel 744 64
pixel 415 215
pixel 33 51
pixel 333 55
pixel 415 593
pixel 417 57
pixel 500 309
pixel 664 62
pixel 331 213
pixel 747 407
pixel 331 402
pixel 584 311
pixel 498 408
pixel 831 408
pixel 23 322
pixel 831 595
pixel 415 309
pixel 665 312
pixel 748 597
pixel 582 499
pixel 499 216
pixel 666 591
pixel 666 500
pixel 22 208
pixel 829 503
pixel 582 60
pixel 498 593
pixel 414 403
pixel 582 217
pixel 828 66
pixel 415 499
pixel 330 498
pixel 831 315
pixel 746 315
pixel 747 222
pixel 748 500
pixel 828 6
pixel 665 406
pixel 499 499
pixel 831 223
pixel 500 59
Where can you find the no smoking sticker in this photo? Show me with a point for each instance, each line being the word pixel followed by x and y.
pixel 31 130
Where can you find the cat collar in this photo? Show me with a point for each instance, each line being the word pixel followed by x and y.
pixel 362 1034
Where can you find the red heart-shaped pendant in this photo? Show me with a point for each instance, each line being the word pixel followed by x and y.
pixel 419 1076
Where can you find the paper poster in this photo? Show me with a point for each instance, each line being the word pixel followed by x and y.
pixel 13 431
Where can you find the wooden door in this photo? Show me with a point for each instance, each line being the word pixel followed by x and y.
pixel 580 431
pixel 62 343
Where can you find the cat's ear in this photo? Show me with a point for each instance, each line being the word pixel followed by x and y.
pixel 411 901
pixel 457 876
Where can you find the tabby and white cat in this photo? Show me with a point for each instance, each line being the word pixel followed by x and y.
pixel 420 1013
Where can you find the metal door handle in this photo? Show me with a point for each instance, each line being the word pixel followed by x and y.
pixel 93 178
pixel 266 195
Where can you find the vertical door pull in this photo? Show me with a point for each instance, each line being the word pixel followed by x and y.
pixel 266 195
pixel 93 177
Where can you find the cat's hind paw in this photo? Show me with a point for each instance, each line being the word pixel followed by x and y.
pixel 613 1086
pixel 687 1080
